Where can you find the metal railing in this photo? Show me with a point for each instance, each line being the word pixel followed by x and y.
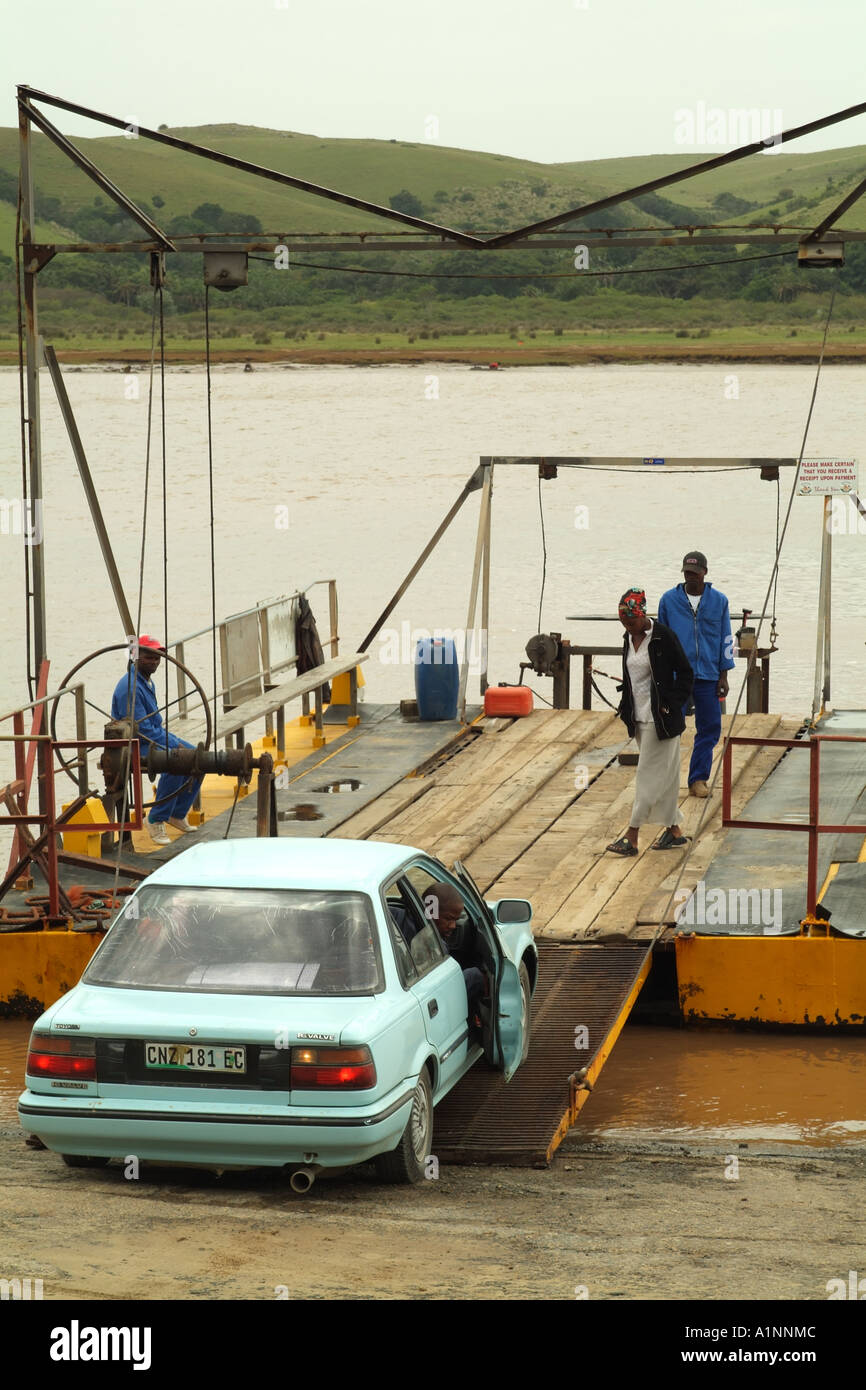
pixel 20 737
pixel 265 668
pixel 812 826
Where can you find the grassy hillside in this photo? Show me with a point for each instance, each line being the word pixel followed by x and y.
pixel 45 231
pixel 89 301
pixel 502 190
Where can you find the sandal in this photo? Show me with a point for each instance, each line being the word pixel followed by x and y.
pixel 624 847
pixel 668 841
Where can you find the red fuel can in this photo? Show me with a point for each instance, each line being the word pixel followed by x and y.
pixel 508 700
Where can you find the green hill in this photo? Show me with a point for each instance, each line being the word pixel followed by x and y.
pixel 91 299
pixel 467 189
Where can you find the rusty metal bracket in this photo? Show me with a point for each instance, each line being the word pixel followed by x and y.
pixel 38 256
pixel 87 166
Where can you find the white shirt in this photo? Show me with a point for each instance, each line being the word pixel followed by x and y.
pixel 640 675
pixel 694 600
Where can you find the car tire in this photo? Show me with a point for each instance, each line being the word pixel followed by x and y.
pixel 84 1160
pixel 407 1163
pixel 526 1010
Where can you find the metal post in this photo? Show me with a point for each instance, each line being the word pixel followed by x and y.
pixel 182 706
pixel 89 491
pixel 473 589
pixel 47 751
pixel 828 603
pixel 267 681
pixel 726 782
pixel 814 783
pixel 562 674
pixel 319 735
pixel 81 735
pixel 30 268
pixel 485 590
pixel 20 776
pixel 587 680
pixel 822 614
pixel 754 686
pixel 332 610
pixel 470 486
pixel 266 802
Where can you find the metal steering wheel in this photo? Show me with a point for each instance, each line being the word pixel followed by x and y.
pixel 124 646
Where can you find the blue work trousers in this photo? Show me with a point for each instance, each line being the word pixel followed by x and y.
pixel 708 728
pixel 177 802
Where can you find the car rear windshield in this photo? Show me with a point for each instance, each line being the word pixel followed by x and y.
pixel 242 941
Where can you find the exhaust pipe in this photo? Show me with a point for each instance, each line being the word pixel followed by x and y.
pixel 302 1179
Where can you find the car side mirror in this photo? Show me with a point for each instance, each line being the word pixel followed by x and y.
pixel 510 910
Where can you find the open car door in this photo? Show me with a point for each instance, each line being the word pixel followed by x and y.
pixel 507 1001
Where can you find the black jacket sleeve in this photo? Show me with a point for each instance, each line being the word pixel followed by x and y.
pixel 685 676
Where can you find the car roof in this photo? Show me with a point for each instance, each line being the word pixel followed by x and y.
pixel 286 863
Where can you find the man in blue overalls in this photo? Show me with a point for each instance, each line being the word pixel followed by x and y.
pixel 699 616
pixel 172 802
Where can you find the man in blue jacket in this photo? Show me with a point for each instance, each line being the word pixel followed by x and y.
pixel 699 616
pixel 136 698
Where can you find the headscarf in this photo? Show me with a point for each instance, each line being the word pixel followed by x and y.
pixel 632 602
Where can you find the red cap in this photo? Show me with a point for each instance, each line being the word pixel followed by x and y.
pixel 145 641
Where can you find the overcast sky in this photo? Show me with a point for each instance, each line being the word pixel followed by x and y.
pixel 551 80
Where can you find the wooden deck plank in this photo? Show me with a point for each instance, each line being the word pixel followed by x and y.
pixel 595 883
pixel 507 805
pixel 623 908
pixel 469 798
pixel 385 808
pixel 552 867
pixel 503 753
pixel 456 788
pixel 456 839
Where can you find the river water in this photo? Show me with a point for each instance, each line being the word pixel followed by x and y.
pixel 345 472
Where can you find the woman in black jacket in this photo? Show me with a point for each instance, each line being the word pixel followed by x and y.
pixel 656 683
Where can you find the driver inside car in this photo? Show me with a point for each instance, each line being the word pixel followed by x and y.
pixel 444 906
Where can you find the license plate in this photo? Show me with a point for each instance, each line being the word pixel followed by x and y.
pixel 194 1057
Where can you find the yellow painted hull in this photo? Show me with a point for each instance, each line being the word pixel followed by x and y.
pixel 36 968
pixel 794 980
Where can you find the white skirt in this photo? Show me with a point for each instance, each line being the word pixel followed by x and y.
pixel 657 784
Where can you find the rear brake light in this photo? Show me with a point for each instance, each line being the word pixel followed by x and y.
pixel 332 1068
pixel 62 1057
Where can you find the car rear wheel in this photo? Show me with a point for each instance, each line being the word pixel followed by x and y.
pixel 408 1162
pixel 84 1160
pixel 525 1010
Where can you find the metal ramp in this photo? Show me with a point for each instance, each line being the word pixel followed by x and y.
pixel 522 1123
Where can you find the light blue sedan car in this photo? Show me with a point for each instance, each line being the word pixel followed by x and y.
pixel 287 1003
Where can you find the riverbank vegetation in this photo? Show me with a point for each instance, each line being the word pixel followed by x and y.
pixel 544 303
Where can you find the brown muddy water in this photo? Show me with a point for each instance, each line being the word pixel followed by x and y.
pixel 696 1084
pixel 684 1085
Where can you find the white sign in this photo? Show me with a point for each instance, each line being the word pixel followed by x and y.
pixel 824 477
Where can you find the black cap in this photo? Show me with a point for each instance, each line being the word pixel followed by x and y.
pixel 695 560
